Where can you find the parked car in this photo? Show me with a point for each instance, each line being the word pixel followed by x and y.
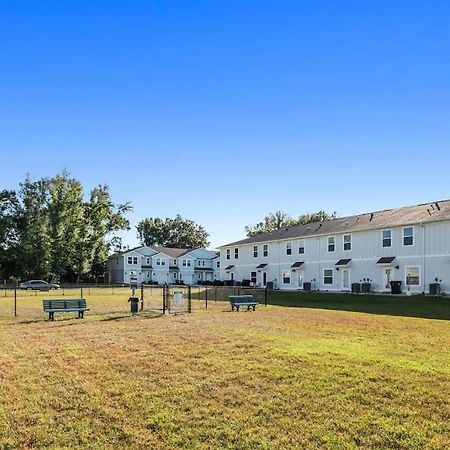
pixel 38 285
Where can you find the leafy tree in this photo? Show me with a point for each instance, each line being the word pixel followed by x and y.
pixel 279 220
pixel 176 233
pixel 9 213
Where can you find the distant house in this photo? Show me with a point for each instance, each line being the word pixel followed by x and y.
pixel 410 245
pixel 164 265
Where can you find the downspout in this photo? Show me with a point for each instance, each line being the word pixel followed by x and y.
pixel 423 257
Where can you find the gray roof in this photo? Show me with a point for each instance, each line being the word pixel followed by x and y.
pixel 409 215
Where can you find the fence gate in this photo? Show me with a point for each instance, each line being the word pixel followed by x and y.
pixel 177 299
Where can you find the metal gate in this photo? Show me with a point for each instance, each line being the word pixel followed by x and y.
pixel 177 299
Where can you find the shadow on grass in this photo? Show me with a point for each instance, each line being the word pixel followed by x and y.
pixel 415 306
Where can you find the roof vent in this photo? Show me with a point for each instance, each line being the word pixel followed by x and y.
pixel 308 227
pixel 432 206
pixel 437 206
pixel 428 211
pixel 371 217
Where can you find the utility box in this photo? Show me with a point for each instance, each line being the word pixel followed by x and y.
pixel 178 298
pixel 306 286
pixel 356 288
pixel 134 305
pixel 435 289
pixel 365 287
pixel 396 287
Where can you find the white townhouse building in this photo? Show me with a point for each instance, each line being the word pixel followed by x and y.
pixel 164 265
pixel 410 245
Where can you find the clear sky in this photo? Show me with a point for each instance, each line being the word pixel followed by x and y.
pixel 223 111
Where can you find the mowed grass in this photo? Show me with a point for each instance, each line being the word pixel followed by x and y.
pixel 275 378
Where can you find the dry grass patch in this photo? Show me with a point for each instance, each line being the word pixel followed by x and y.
pixel 276 378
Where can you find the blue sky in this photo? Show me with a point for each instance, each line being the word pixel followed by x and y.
pixel 223 111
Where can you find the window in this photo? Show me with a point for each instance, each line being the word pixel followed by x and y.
pixel 203 262
pixel 147 261
pixel 158 261
pixel 130 260
pixel 331 244
pixel 236 253
pixel 288 248
pixel 387 238
pixel 148 274
pixel 301 247
pixel 255 251
pixel 408 236
pixel 253 277
pixel 228 253
pixel 184 263
pixel 287 277
pixel 175 262
pixel 412 275
pixel 347 241
pixel 327 276
pixel 189 263
pixel 135 260
pixel 218 263
pixel 265 250
pixel 163 262
pixel 174 274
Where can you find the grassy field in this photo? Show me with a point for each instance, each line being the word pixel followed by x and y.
pixel 310 377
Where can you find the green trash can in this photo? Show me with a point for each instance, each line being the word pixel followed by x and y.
pixel 134 305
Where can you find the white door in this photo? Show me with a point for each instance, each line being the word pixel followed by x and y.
pixel 300 279
pixel 345 279
pixel 388 276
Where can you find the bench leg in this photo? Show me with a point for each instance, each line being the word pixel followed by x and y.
pixel 51 316
pixel 254 307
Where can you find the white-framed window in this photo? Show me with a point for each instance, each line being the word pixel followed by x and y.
pixel 387 238
pixel 412 275
pixel 175 262
pixel 327 276
pixel 288 248
pixel 148 274
pixel 147 261
pixel 218 263
pixel 130 260
pixel 347 242
pixel 287 277
pixel 255 251
pixel 408 236
pixel 158 261
pixel 253 277
pixel 184 263
pixel 163 262
pixel 301 247
pixel 175 275
pixel 265 250
pixel 203 262
pixel 228 253
pixel 331 243
pixel 135 260
pixel 236 253
pixel 189 263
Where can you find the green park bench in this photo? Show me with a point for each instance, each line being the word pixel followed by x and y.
pixel 242 300
pixel 63 305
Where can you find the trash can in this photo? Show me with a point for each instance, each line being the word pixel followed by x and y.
pixel 365 287
pixel 356 288
pixel 134 304
pixel 396 287
pixel 435 289
pixel 306 286
pixel 269 285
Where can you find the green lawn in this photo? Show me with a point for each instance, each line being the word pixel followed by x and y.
pixel 277 378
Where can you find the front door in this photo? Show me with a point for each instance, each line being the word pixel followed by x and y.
pixel 345 279
pixel 388 276
pixel 300 279
pixel 264 278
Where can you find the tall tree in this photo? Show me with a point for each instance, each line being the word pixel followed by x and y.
pixel 279 220
pixel 9 215
pixel 176 233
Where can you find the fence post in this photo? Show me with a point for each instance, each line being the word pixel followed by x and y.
pixel 142 296
pixel 15 302
pixel 164 298
pixel 265 296
pixel 81 292
pixel 215 294
pixel 206 297
pixel 189 299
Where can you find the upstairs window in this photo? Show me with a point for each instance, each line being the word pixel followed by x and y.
pixel 228 253
pixel 347 242
pixel 236 253
pixel 130 260
pixel 387 238
pixel 218 263
pixel 288 248
pixel 184 263
pixel 408 236
pixel 265 250
pixel 189 263
pixel 331 244
pixel 301 247
pixel 255 251
pixel 158 261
